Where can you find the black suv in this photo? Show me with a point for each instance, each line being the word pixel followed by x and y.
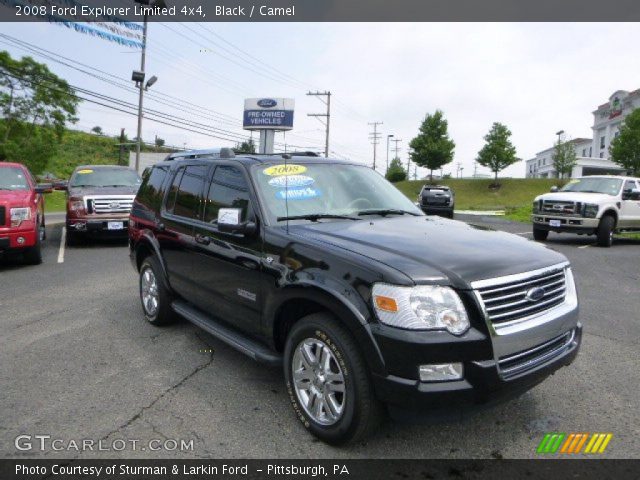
pixel 437 200
pixel 323 267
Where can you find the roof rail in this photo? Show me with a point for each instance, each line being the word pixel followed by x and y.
pixel 224 152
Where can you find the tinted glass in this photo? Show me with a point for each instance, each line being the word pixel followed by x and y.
pixel 12 178
pixel 105 177
pixel 150 193
pixel 609 186
pixel 171 198
pixel 227 190
pixel 188 196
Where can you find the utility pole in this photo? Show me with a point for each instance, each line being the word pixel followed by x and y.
pixel 475 169
pixel 408 164
pixel 388 137
pixel 458 170
pixel 141 94
pixel 326 115
pixel 375 140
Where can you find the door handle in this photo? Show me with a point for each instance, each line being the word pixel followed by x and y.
pixel 203 239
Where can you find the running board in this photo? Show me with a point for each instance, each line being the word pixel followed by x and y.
pixel 249 347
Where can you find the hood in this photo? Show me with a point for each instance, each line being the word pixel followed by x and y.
pixel 576 197
pixel 82 191
pixel 16 198
pixel 426 247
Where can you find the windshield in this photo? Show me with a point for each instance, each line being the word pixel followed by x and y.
pixel 326 189
pixel 105 177
pixel 13 178
pixel 609 186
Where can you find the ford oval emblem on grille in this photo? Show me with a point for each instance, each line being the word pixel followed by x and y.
pixel 535 294
pixel 557 207
pixel 267 103
pixel 114 205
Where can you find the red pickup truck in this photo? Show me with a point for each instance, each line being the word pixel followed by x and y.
pixel 21 212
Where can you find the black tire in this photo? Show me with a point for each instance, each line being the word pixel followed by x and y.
pixel 73 238
pixel 162 314
pixel 540 235
pixel 605 231
pixel 361 411
pixel 33 255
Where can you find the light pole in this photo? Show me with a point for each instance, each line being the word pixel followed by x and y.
pixel 388 137
pixel 559 134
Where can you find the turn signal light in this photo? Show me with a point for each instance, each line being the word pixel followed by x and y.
pixel 387 304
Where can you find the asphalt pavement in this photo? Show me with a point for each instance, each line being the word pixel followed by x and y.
pixel 79 362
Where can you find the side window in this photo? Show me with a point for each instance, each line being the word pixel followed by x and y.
pixel 150 192
pixel 173 192
pixel 629 185
pixel 228 189
pixel 188 195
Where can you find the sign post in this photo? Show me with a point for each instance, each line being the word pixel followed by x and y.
pixel 268 115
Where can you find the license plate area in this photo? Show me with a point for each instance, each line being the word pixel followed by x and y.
pixel 115 225
pixel 555 223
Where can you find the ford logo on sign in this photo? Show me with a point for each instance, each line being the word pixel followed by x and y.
pixel 535 294
pixel 267 103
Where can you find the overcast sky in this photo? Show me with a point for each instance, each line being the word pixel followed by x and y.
pixel 535 78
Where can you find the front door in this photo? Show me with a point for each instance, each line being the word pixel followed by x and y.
pixel 630 209
pixel 228 273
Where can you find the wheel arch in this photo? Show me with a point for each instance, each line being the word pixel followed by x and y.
pixel 147 246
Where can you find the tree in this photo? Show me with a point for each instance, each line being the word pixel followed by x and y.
pixel 159 142
pixel 248 146
pixel 498 152
pixel 432 148
pixel 35 105
pixel 396 173
pixel 625 148
pixel 97 130
pixel 564 158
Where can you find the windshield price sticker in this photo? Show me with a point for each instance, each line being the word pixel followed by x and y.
pixel 291 181
pixel 298 193
pixel 84 172
pixel 278 170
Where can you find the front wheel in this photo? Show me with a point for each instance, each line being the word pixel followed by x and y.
pixel 605 231
pixel 328 382
pixel 540 235
pixel 154 296
pixel 33 256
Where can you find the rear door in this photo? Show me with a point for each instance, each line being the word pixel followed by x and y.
pixel 227 276
pixel 182 209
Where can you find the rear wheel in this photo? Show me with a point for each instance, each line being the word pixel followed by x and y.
pixel 328 382
pixel 154 296
pixel 539 234
pixel 605 231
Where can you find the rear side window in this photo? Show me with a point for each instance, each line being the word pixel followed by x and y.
pixel 189 193
pixel 151 191
pixel 228 189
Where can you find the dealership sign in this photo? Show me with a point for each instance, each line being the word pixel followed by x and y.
pixel 268 113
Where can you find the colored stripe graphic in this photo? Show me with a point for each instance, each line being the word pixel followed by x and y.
pixel 573 443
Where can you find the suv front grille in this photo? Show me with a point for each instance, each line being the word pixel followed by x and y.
pixel 109 204
pixel 559 207
pixel 3 216
pixel 517 363
pixel 514 300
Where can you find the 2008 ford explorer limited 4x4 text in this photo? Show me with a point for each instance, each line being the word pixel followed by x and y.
pixel 324 267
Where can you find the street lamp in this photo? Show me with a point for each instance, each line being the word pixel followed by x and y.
pixel 388 137
pixel 559 133
pixel 138 75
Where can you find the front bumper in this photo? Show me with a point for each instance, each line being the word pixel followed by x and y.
pixel 567 224
pixel 429 208
pixel 484 380
pixel 10 238
pixel 92 225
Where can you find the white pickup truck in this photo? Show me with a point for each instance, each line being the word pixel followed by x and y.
pixel 596 205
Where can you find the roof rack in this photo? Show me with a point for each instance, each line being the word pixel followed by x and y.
pixel 208 153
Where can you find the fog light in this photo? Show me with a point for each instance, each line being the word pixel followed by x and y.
pixel 80 226
pixel 20 240
pixel 440 372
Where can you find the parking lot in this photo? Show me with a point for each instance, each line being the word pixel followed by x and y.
pixel 77 361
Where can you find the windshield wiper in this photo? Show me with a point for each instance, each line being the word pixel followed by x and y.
pixel 314 217
pixel 387 211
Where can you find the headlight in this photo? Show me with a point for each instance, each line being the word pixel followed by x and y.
pixel 19 215
pixel 76 205
pixel 424 307
pixel 590 210
pixel 536 207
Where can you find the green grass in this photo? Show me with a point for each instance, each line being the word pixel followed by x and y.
pixel 514 195
pixel 54 202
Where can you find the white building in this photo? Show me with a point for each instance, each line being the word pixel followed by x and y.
pixel 592 153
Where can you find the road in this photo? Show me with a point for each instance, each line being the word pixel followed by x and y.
pixel 77 361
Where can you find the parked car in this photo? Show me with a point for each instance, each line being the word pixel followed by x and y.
pixel 99 199
pixel 324 268
pixel 437 200
pixel 596 205
pixel 22 219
